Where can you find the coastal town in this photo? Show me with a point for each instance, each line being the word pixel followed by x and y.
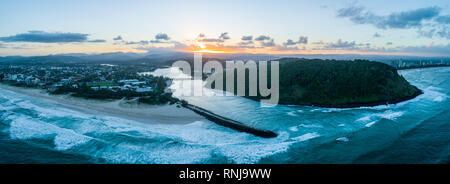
pixel 101 81
pixel 110 82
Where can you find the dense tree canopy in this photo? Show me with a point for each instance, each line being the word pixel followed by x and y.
pixel 333 83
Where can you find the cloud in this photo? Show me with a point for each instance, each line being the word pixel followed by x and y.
pixel 427 21
pixel 211 40
pixel 320 42
pixel 440 30
pixel 162 36
pixel 376 35
pixel 169 48
pixel 118 38
pixel 426 50
pixel 17 46
pixel 350 11
pixel 47 37
pixel 399 20
pixel 97 41
pixel 262 38
pixel 303 40
pixel 286 48
pixel 341 45
pixel 289 42
pixel 157 41
pixel 247 38
pixel 443 19
pixel 142 42
pixel 201 35
pixel 246 41
pixel 444 33
pixel 242 43
pixel 269 43
pixel 291 45
pixel 248 44
pixel 265 41
pixel 336 45
pixel 224 36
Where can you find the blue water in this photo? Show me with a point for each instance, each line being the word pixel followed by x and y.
pixel 33 130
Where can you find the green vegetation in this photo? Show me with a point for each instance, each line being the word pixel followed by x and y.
pixel 332 83
pixel 158 99
pixel 155 97
pixel 101 84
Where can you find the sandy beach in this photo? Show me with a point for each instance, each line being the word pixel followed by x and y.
pixel 167 114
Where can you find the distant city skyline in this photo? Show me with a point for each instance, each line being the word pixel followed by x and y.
pixel 416 28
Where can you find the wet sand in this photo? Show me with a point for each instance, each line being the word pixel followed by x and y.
pixel 126 109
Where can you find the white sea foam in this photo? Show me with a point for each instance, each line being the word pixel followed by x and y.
pixel 438 99
pixel 196 141
pixel 310 126
pixel 378 107
pixel 252 153
pixel 51 111
pixel 342 139
pixel 198 137
pixel 430 93
pixel 294 128
pixel 365 118
pixel 151 153
pixel 370 124
pixel 292 113
pixel 7 108
pixel 133 142
pixel 331 110
pixel 391 115
pixel 25 128
pixel 306 137
pixel 10 97
pixel 68 138
pixel 253 150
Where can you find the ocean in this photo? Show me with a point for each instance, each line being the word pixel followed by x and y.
pixel 33 130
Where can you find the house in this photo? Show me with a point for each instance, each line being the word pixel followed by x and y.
pixel 144 89
pixel 32 80
pixel 129 81
pixel 17 77
pixel 137 83
pixel 66 81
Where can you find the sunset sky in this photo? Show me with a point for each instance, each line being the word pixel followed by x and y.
pixel 389 27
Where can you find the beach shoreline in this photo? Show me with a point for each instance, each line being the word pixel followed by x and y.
pixel 126 109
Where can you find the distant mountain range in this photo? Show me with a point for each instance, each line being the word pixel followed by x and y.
pixel 166 58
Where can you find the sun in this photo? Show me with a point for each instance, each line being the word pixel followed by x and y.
pixel 204 49
pixel 209 51
pixel 201 45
